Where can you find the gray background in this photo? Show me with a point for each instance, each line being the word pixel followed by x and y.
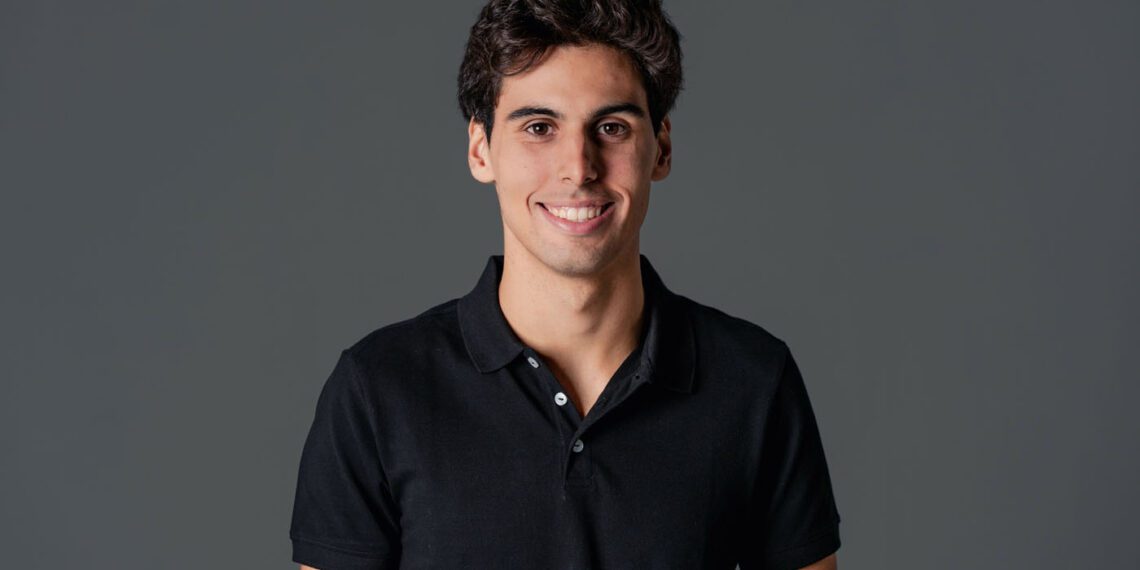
pixel 933 203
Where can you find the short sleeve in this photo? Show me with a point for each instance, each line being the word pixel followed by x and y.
pixel 794 521
pixel 344 516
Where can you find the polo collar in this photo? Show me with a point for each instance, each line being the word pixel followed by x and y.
pixel 668 354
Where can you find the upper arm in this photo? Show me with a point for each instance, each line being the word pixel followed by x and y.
pixel 829 563
pixel 344 515
pixel 793 521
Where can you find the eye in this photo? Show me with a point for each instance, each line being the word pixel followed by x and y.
pixel 613 129
pixel 538 129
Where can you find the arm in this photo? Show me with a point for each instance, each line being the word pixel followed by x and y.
pixel 344 514
pixel 829 563
pixel 793 520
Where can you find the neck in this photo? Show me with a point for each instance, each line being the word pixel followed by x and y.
pixel 585 323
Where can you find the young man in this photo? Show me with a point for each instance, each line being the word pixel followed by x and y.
pixel 570 411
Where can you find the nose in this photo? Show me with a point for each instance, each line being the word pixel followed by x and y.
pixel 578 160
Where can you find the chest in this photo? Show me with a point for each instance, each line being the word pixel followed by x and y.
pixel 509 471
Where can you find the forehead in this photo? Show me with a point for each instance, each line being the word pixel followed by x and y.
pixel 574 78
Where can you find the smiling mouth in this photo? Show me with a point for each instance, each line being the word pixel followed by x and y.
pixel 578 214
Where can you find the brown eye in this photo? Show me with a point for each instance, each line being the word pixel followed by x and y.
pixel 543 129
pixel 613 129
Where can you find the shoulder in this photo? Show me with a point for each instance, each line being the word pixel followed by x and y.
pixel 729 342
pixel 404 345
pixel 733 331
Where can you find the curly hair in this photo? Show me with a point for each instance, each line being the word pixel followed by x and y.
pixel 510 36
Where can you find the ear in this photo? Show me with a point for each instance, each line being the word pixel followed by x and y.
pixel 664 151
pixel 479 153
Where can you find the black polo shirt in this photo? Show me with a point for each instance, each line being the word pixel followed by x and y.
pixel 442 441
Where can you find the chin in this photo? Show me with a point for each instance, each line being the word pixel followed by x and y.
pixel 577 263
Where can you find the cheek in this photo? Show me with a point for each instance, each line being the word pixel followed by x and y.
pixel 630 164
pixel 636 159
pixel 521 170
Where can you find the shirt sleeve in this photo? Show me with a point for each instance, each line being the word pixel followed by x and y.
pixel 794 521
pixel 344 516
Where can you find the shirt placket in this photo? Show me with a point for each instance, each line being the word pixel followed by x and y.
pixel 577 463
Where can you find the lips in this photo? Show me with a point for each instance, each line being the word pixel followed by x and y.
pixel 587 204
pixel 579 228
pixel 571 211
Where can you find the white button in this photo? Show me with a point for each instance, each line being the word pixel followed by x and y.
pixel 578 445
pixel 532 361
pixel 560 398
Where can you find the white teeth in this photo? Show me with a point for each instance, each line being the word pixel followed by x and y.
pixel 576 214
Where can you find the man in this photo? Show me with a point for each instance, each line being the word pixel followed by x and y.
pixel 570 411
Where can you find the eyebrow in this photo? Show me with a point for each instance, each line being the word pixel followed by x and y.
pixel 530 111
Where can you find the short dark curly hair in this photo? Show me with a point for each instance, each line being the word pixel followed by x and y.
pixel 512 35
